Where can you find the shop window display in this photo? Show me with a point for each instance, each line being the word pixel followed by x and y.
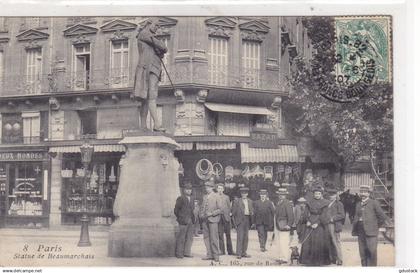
pixel 25 190
pixel 102 185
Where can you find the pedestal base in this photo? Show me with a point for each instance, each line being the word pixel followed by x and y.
pixel 144 204
pixel 142 240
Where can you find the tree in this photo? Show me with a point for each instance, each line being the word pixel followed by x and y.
pixel 360 127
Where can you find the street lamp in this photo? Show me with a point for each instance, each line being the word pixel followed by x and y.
pixel 86 151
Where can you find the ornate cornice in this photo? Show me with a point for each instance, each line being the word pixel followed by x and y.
pixel 81 39
pixel 79 29
pixel 32 34
pixel 119 35
pixel 220 26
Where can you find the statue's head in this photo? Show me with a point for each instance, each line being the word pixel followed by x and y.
pixel 153 25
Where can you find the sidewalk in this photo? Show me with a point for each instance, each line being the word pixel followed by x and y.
pixel 58 247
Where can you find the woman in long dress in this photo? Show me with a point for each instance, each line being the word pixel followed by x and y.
pixel 316 241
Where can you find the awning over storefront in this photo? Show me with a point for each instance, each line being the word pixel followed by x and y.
pixel 239 109
pixel 185 146
pixel 215 146
pixel 97 148
pixel 284 153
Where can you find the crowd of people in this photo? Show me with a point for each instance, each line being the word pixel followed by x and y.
pixel 308 228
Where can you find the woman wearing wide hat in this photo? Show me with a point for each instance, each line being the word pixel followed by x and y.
pixel 316 241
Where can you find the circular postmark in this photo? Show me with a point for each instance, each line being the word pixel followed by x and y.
pixel 361 48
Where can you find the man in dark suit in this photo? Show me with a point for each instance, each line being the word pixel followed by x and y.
pixel 335 226
pixel 367 219
pixel 264 217
pixel 242 213
pixel 224 224
pixel 210 212
pixel 185 218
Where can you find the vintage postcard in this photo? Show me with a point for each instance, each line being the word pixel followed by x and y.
pixel 196 141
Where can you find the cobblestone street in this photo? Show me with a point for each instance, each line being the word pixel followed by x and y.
pixel 40 243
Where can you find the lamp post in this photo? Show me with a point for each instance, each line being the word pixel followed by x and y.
pixel 86 151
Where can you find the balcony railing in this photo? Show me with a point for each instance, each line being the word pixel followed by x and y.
pixel 20 140
pixel 181 73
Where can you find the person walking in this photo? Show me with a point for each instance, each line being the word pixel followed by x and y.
pixel 224 224
pixel 316 245
pixel 284 220
pixel 184 215
pixel 210 214
pixel 335 226
pixel 264 218
pixel 242 213
pixel 368 218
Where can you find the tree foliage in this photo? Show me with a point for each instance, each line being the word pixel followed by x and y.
pixel 351 129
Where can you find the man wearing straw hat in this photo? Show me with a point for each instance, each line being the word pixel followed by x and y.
pixel 284 220
pixel 367 219
pixel 210 214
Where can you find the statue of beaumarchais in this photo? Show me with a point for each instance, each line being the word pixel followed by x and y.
pixel 148 72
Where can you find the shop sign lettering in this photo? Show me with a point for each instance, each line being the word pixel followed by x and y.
pixel 22 156
pixel 263 139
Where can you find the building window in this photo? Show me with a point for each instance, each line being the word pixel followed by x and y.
pixel 12 128
pixel 119 63
pixel 164 78
pixel 251 61
pixel 31 127
pixel 218 60
pixel 81 67
pixel 233 124
pixel 33 70
pixel 88 122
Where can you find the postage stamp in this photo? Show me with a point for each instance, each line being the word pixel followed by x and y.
pixel 363 55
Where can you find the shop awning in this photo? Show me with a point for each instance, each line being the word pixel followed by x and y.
pixel 215 146
pixel 239 109
pixel 97 148
pixel 284 153
pixel 185 146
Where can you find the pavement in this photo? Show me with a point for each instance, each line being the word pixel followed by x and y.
pixel 58 247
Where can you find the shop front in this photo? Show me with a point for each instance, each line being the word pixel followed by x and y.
pixel 24 189
pixel 237 165
pixel 102 183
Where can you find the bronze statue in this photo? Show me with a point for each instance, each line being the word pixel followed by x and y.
pixel 148 72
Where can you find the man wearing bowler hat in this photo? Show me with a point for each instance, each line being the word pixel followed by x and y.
pixel 242 213
pixel 367 219
pixel 210 214
pixel 335 225
pixel 264 218
pixel 185 218
pixel 224 224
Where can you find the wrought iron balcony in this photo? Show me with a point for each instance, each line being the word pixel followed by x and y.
pixel 103 79
pixel 21 140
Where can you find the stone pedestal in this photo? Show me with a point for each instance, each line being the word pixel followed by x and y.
pixel 145 225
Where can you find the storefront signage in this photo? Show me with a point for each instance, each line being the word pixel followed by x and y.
pixel 22 156
pixel 263 139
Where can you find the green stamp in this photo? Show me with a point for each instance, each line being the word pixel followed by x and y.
pixel 363 50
